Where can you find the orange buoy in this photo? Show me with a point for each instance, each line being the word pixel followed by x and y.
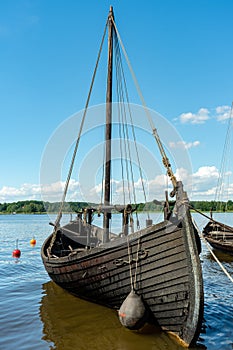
pixel 16 252
pixel 33 242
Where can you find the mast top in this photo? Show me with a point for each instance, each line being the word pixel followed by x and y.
pixel 111 12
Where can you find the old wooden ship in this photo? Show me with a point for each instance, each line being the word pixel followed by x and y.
pixel 160 263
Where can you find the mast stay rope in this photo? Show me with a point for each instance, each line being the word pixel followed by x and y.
pixel 79 134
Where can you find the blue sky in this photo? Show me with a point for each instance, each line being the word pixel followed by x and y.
pixel 181 52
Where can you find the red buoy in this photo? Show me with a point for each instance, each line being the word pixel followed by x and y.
pixel 16 252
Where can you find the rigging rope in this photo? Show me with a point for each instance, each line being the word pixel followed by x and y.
pixel 156 136
pixel 102 180
pixel 133 283
pixel 130 267
pixel 136 268
pixel 80 131
pixel 123 122
pixel 123 94
pixel 225 158
pixel 134 138
pixel 165 160
pixel 120 128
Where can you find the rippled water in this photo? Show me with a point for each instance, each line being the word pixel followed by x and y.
pixel 35 314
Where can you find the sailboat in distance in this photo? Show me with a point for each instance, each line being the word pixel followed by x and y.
pixel 157 266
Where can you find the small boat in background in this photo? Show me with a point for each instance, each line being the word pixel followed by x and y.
pixel 219 236
pixel 160 263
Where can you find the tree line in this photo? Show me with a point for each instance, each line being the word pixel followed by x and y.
pixel 40 207
pixel 212 205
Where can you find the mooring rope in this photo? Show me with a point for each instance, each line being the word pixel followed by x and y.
pixel 216 259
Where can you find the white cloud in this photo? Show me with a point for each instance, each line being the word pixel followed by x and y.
pixel 206 171
pixel 25 191
pixel 204 183
pixel 48 192
pixel 199 118
pixel 223 113
pixel 53 192
pixel 184 144
pixel 201 185
pixel 120 191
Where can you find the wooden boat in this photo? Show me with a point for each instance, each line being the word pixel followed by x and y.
pixel 218 234
pixel 160 263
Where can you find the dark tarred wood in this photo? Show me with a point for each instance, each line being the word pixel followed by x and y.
pixel 219 236
pixel 169 276
pixel 108 129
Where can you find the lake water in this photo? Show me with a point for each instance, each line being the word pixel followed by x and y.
pixel 35 314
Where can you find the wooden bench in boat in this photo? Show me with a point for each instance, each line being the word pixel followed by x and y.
pixel 221 235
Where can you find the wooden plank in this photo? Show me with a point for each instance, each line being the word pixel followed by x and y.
pixel 165 283
pixel 174 305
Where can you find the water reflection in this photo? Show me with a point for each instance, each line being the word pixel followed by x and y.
pixel 222 257
pixel 72 323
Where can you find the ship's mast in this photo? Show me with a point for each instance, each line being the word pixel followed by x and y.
pixel 108 130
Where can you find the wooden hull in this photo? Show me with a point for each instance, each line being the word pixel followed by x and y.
pixel 219 236
pixel 164 262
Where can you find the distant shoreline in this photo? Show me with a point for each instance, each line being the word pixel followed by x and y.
pixel 40 207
